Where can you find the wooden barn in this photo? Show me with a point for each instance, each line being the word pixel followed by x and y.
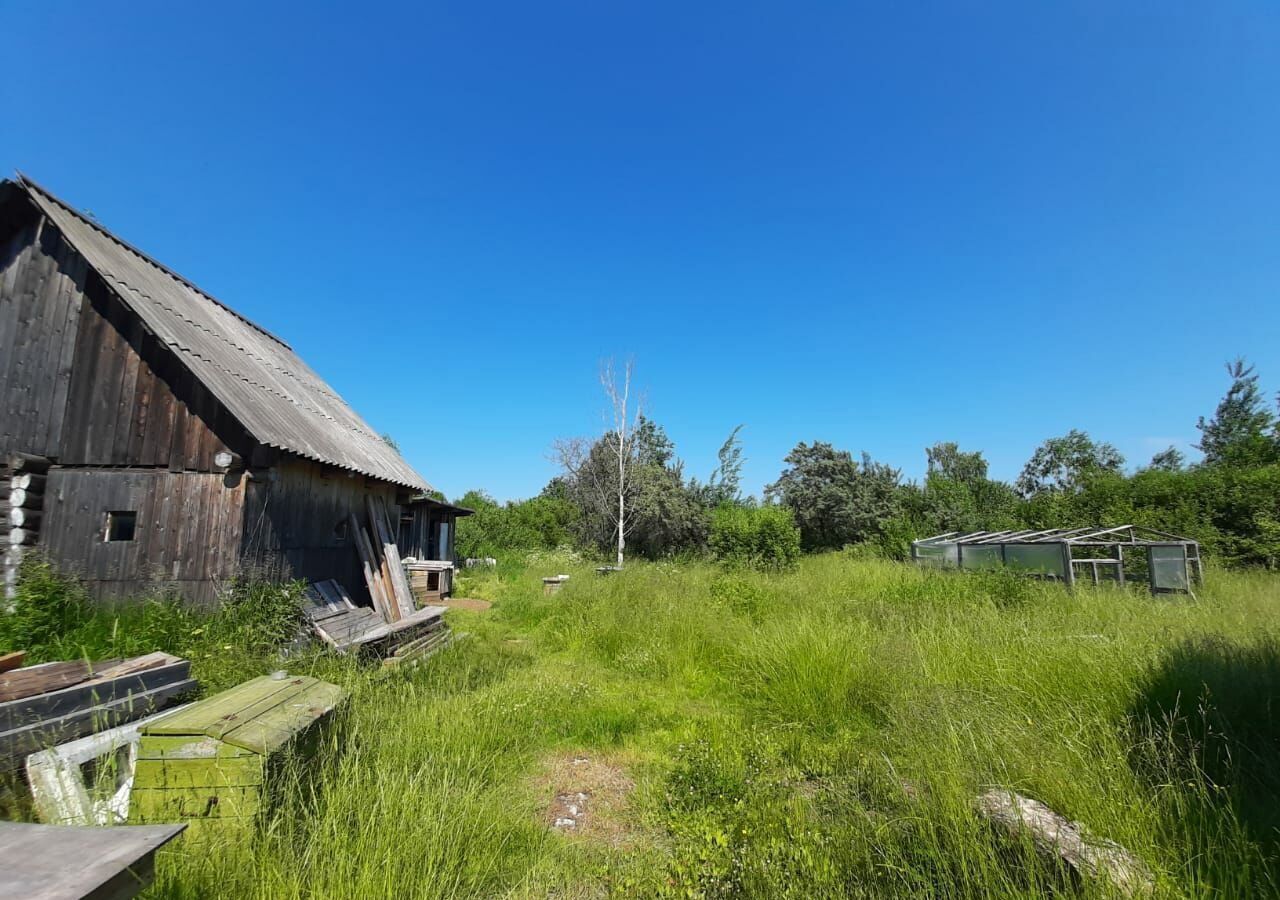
pixel 155 437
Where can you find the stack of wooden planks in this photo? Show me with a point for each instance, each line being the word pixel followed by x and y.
pixel 346 627
pixel 434 635
pixel 54 702
pixel 380 559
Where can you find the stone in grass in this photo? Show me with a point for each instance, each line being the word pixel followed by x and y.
pixel 1057 837
pixel 587 797
pixel 569 809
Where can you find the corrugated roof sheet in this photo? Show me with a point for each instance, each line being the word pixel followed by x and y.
pixel 259 379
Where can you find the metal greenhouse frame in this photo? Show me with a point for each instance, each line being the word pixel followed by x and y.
pixel 1061 554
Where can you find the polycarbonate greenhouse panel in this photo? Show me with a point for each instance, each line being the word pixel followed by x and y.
pixel 936 554
pixel 1169 568
pixel 980 556
pixel 1036 559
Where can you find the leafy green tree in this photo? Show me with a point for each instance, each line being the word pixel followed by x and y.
pixel 1064 463
pixel 1242 431
pixel 540 523
pixel 1170 459
pixel 957 495
pixel 725 483
pixel 948 461
pixel 835 500
pixel 668 518
pixel 664 516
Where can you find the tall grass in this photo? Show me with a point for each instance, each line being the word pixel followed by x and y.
pixel 53 619
pixel 813 733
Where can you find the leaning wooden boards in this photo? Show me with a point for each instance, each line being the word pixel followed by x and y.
pixel 390 554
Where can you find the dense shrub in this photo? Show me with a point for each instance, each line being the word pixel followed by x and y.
pixel 1234 512
pixel 541 523
pixel 763 537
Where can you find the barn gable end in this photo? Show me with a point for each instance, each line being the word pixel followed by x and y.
pixel 153 480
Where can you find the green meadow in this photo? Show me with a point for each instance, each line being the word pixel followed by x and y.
pixel 820 732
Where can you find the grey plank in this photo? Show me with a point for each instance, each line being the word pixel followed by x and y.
pixel 28 710
pixel 56 862
pixel 18 743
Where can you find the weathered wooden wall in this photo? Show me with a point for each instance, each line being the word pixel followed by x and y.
pixel 129 428
pixel 294 519
pixel 188 533
pixel 41 285
pixel 126 425
pixel 81 381
pixel 132 402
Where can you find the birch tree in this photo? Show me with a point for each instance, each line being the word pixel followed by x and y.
pixel 613 486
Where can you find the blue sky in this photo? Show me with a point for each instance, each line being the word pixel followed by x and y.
pixel 880 225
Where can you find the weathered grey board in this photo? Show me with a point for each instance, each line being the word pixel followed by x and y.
pixel 28 710
pixel 38 679
pixel 343 625
pixel 53 862
pixel 17 743
pixel 41 279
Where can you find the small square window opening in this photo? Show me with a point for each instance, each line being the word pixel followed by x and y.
pixel 121 525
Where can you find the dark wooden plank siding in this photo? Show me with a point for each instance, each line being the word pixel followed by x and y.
pixel 86 381
pixel 188 528
pixel 291 523
pixel 41 279
pixel 132 403
pixel 81 379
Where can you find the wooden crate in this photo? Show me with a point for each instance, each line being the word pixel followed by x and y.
pixel 214 760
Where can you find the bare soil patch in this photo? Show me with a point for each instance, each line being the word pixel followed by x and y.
pixel 585 795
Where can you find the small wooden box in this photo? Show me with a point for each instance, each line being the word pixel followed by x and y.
pixel 213 760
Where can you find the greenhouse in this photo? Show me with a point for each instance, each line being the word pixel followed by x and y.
pixel 1125 553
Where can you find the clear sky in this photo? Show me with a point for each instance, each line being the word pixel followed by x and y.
pixel 880 225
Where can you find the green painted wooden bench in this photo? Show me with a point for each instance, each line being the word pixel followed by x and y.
pixel 213 760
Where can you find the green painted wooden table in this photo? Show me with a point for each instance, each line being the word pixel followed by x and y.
pixel 213 760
